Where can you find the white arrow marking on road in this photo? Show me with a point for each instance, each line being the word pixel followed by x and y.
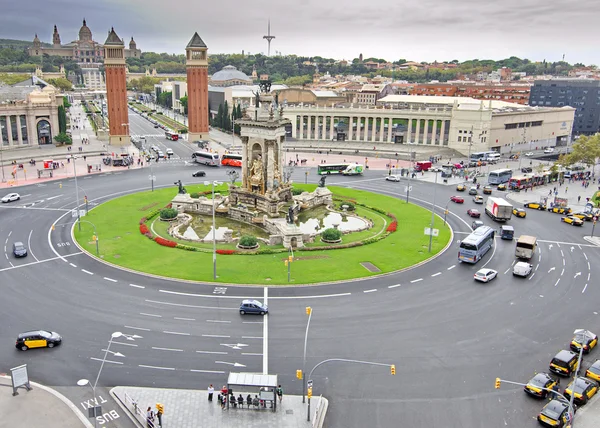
pixel 551 269
pixel 116 354
pixel 53 197
pixel 231 364
pixel 572 248
pixel 550 247
pixel 234 345
pixel 577 274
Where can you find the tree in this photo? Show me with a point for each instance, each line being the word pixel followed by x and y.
pixel 63 138
pixel 219 117
pixel 62 120
pixel 165 99
pixel 61 83
pixel 66 102
pixel 144 84
pixel 586 150
pixel 184 103
pixel 226 118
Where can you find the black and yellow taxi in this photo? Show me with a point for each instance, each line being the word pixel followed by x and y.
pixel 564 363
pixel 555 414
pixel 519 212
pixel 582 389
pixel 583 337
pixel 560 210
pixel 572 220
pixel 535 205
pixel 501 187
pixel 461 187
pixel 487 190
pixel 38 339
pixel 584 216
pixel 594 371
pixel 535 387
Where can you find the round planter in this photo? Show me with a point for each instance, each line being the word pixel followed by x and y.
pixel 337 241
pixel 243 247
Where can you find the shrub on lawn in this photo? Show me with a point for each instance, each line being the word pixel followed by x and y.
pixel 349 205
pixel 168 213
pixel 296 191
pixel 186 247
pixel 195 195
pixel 331 235
pixel 248 241
pixel 392 226
pixel 165 242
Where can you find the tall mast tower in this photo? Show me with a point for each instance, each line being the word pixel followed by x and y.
pixel 268 37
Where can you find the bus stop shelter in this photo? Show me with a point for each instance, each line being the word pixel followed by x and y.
pixel 265 383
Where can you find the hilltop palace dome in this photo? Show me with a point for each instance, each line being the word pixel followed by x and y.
pixel 229 76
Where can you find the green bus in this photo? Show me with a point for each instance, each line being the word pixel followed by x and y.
pixel 331 168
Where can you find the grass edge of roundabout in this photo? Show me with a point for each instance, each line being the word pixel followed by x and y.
pixel 79 242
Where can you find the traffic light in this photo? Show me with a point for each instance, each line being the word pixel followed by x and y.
pixel 498 383
pixel 308 310
pixel 309 394
pixel 393 369
pixel 299 374
pixel 94 238
pixel 291 259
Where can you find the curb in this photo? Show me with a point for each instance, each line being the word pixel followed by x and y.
pixel 64 399
pixel 124 407
pixel 322 415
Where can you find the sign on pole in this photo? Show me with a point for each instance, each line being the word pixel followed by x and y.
pixel 408 188
pixel 309 383
pixel 434 232
pixel 20 378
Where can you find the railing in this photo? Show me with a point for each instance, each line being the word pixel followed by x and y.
pixel 139 414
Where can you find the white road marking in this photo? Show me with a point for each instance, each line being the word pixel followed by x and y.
pixel 236 298
pixel 167 349
pixel 563 262
pixel 215 335
pixel 126 344
pixel 29 245
pixel 557 281
pixel 230 364
pixel 150 315
pixel 532 275
pixel 73 265
pixel 506 271
pixel 190 306
pixel 251 353
pixel 136 286
pixel 110 279
pixel 436 274
pixel 252 337
pixel 394 286
pixel 252 322
pixel 583 291
pixel 185 319
pixel 589 268
pixel 218 321
pixel 87 271
pixel 369 291
pixel 207 371
pixel 137 328
pixel 416 280
pixel 212 352
pixel 585 255
pixel 156 367
pixel 176 332
pixel 563 271
pixel 536 267
pixel 106 361
pixel 589 273
pixel 265 335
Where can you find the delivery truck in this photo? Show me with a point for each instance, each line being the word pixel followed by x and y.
pixel 498 209
pixel 422 166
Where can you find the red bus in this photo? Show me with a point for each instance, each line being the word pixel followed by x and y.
pixel 231 159
pixel 520 182
pixel 172 136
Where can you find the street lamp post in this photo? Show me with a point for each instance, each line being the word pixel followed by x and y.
pixel 432 212
pixel 214 231
pixel 73 157
pixel 309 312
pixel 151 173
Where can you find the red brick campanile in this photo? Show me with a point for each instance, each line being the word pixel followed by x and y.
pixel 116 90
pixel 196 63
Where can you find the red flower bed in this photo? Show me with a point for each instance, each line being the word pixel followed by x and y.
pixel 392 226
pixel 165 242
pixel 143 220
pixel 144 229
pixel 225 251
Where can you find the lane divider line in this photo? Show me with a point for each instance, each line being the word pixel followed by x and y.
pixel 136 286
pixel 151 315
pixel 110 279
pixel 394 286
pixel 167 349
pixel 107 361
pixel 137 328
pixel 436 274
pixel 212 352
pixel 176 332
pixel 156 367
pixel 73 265
pixel 370 291
pixel 215 335
pixel 416 280
pixel 87 271
pixel 207 371
pixel 184 319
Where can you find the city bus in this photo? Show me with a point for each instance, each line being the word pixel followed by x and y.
pixel 231 159
pixel 520 182
pixel 526 247
pixel 481 156
pixel 206 158
pixel 499 176
pixel 173 136
pixel 473 247
pixel 331 168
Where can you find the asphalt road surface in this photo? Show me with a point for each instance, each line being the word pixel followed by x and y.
pixel 448 336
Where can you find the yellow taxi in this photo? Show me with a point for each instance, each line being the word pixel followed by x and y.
pixel 572 220
pixel 539 385
pixel 594 371
pixel 582 389
pixel 502 186
pixel 584 216
pixel 460 187
pixel 487 190
pixel 38 339
pixel 535 205
pixel 519 212
pixel 585 337
pixel 555 414
pixel 560 210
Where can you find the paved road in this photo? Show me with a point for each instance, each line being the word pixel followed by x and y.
pixel 448 336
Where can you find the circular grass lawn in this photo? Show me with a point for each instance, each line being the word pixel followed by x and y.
pixel 121 243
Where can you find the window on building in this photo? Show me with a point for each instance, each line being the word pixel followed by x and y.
pixel 24 135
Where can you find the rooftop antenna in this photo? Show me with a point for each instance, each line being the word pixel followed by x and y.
pixel 268 37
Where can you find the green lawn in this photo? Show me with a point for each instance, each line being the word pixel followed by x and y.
pixel 121 243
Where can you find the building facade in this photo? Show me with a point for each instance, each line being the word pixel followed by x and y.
pixel 512 93
pixel 82 50
pixel 196 64
pixel 116 90
pixel 463 124
pixel 582 94
pixel 229 76
pixel 28 114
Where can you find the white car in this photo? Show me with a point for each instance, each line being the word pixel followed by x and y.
pixel 529 154
pixel 485 275
pixel 549 150
pixel 393 177
pixel 11 197
pixel 522 269
pixel 169 152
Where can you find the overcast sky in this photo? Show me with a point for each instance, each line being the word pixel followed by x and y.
pixel 418 30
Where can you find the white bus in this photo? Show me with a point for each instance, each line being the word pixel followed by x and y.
pixel 206 158
pixel 526 247
pixel 499 176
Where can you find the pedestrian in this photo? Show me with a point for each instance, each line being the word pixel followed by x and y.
pixel 279 391
pixel 240 401
pixel 248 400
pixel 150 418
pixel 223 401
pixel 566 189
pixel 578 198
pixel 211 391
pixel 159 413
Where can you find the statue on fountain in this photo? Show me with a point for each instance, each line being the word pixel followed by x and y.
pixel 181 188
pixel 322 181
pixel 256 173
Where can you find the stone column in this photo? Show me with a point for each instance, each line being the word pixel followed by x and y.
pixel 442 132
pixel 245 163
pixel 418 131
pixel 270 163
pixel 426 132
pixel 331 128
pixel 350 127
pixel 19 130
pixel 382 127
pixel 409 130
pixel 1 138
pixel 434 140
pixel 389 133
pixel 294 125
pixel 9 131
pixel 309 127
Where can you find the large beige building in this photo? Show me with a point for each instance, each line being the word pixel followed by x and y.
pixel 28 113
pixel 463 124
pixel 82 50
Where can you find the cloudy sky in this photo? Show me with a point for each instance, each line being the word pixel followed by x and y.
pixel 418 30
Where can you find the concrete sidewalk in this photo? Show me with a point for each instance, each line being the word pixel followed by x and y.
pixel 40 407
pixel 191 409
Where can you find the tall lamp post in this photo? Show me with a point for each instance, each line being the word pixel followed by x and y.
pixel 432 213
pixel 214 231
pixel 152 177
pixel 309 313
pixel 1 157
pixel 73 157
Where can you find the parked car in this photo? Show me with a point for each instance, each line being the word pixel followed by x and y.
pixel 572 220
pixel 535 205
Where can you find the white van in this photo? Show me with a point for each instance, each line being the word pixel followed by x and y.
pixel 493 157
pixel 522 269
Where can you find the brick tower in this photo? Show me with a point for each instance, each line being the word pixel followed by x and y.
pixel 196 64
pixel 116 90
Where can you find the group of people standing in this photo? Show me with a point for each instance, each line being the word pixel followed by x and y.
pixel 226 395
